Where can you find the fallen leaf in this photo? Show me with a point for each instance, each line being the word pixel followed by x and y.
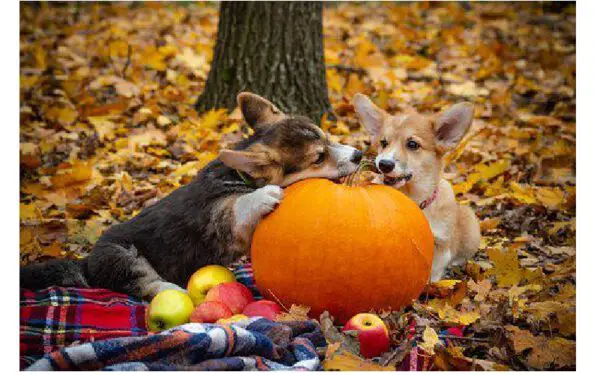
pixel 430 340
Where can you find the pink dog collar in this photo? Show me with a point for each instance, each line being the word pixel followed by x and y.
pixel 423 205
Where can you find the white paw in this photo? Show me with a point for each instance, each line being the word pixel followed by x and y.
pixel 436 275
pixel 265 199
pixel 160 286
pixel 249 209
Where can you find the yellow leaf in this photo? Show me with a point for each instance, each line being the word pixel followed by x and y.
pixel 353 85
pixel 552 198
pixel 449 314
pixel 213 118
pixel 296 312
pixel 54 250
pixel 126 181
pixel 28 82
pixel 157 151
pixel 63 116
pixel 29 211
pixel 186 169
pixel 163 120
pixel 467 89
pixel 334 81
pixel 231 129
pixel 39 54
pixel 343 360
pixel 446 284
pixel 430 340
pixel 483 172
pixel 77 173
pixel 506 267
pixel 522 194
pixel 468 317
pixel 105 128
pixel 121 143
pixel 489 223
pixel 205 158
pixel 192 60
pixel 148 137
pixel 153 59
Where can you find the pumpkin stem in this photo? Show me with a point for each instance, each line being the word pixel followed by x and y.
pixel 352 179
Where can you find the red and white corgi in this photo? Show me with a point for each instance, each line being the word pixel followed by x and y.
pixel 410 149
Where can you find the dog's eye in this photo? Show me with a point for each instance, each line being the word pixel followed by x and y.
pixel 412 145
pixel 383 143
pixel 320 158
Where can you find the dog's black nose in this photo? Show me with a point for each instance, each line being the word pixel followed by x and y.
pixel 386 166
pixel 356 157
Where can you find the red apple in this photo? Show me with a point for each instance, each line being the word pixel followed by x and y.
pixel 210 312
pixel 235 295
pixel 373 335
pixel 264 308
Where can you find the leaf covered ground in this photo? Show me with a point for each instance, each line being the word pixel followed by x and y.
pixel 108 128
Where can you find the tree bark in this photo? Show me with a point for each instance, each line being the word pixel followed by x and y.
pixel 273 49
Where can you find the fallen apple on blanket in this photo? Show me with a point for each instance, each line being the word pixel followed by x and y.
pixel 344 249
pixel 266 309
pixel 221 301
pixel 168 309
pixel 206 278
pixel 210 312
pixel 233 294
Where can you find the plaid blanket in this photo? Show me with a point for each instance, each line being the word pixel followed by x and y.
pixel 73 328
pixel 56 317
pixel 253 344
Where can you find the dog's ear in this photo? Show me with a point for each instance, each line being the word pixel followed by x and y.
pixel 258 110
pixel 452 124
pixel 371 116
pixel 245 161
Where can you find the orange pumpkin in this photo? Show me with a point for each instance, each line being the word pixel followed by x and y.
pixel 343 249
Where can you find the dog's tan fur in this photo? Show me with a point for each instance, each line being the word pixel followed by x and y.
pixel 418 172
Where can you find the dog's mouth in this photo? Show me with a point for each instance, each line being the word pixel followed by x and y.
pixel 396 181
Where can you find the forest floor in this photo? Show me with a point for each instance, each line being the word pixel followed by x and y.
pixel 108 128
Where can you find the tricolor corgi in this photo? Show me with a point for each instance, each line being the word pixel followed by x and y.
pixel 210 220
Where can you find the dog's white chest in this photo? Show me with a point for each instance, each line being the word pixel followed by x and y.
pixel 439 229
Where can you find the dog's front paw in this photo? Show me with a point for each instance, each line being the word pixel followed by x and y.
pixel 265 199
pixel 151 290
pixel 249 209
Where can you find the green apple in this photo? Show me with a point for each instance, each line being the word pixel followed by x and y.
pixel 204 279
pixel 168 309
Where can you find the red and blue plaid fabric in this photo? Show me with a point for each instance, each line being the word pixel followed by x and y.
pixel 53 318
pixel 56 317
pixel 252 344
pixel 245 275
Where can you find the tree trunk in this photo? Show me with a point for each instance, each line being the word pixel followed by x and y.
pixel 273 49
